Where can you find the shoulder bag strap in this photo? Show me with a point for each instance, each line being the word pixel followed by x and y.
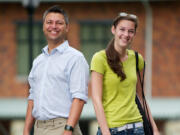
pixel 142 83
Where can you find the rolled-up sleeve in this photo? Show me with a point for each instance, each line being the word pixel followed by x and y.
pixel 30 97
pixel 79 78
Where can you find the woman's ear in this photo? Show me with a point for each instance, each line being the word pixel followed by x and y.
pixel 113 29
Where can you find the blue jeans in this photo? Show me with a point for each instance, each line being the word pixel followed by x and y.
pixel 132 131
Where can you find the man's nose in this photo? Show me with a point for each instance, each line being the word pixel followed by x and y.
pixel 53 25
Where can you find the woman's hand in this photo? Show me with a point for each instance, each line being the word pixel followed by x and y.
pixel 156 132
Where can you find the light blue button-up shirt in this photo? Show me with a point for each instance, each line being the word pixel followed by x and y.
pixel 55 79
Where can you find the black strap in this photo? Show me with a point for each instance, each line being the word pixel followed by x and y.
pixel 142 83
pixel 137 69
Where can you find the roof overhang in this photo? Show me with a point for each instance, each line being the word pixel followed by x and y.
pixel 161 108
pixel 90 1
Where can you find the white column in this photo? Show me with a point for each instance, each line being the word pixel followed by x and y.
pixel 93 126
pixel 148 48
pixel 16 127
pixel 172 127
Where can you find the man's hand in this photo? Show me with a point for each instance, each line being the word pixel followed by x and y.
pixel 66 132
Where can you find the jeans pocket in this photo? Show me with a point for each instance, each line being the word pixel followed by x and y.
pixel 139 131
pixel 99 132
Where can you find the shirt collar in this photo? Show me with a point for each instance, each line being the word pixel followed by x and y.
pixel 61 48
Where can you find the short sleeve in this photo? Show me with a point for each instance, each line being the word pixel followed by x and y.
pixel 98 62
pixel 141 62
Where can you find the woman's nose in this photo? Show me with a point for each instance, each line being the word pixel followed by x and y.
pixel 126 33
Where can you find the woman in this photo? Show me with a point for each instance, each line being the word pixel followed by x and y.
pixel 114 81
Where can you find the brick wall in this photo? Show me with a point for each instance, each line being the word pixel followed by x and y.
pixel 166 22
pixel 166 49
pixel 9 85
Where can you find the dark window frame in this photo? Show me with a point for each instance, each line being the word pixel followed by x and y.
pixel 98 43
pixel 22 67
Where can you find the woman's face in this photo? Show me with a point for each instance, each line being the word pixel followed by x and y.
pixel 124 33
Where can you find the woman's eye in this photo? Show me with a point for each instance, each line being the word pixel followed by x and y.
pixel 131 31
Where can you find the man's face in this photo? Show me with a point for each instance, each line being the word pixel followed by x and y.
pixel 55 28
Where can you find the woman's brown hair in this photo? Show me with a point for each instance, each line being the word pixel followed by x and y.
pixel 114 61
pixel 112 55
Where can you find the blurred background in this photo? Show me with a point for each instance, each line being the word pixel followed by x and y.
pixel 157 39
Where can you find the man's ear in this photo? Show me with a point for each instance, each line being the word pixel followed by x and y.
pixel 67 27
pixel 113 30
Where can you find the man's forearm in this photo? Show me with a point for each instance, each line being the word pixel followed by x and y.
pixel 75 112
pixel 29 118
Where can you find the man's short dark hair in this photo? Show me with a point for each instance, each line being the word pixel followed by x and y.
pixel 56 9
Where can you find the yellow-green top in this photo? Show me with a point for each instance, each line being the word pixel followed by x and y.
pixel 118 96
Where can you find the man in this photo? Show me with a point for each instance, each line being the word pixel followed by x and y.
pixel 58 81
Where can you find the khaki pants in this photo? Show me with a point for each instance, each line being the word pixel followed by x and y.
pixel 53 127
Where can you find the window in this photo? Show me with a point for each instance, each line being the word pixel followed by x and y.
pixel 23 50
pixel 94 36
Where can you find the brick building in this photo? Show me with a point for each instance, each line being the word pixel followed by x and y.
pixel 157 39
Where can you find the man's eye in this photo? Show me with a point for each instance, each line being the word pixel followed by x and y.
pixel 122 29
pixel 59 23
pixel 48 22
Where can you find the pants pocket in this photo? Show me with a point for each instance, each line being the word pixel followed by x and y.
pixel 139 131
pixel 99 132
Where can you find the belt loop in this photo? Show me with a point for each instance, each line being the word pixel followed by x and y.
pixel 53 122
pixel 37 123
